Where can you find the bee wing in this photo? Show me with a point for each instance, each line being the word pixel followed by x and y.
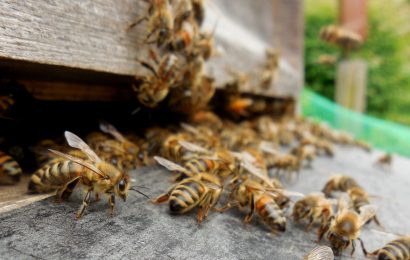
pixel 189 128
pixel 268 147
pixel 80 162
pixel 170 165
pixel 257 173
pixel 110 129
pixel 193 147
pixel 320 253
pixel 343 203
pixel 366 213
pixel 76 142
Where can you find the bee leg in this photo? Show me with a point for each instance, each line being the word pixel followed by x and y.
pixel 248 217
pixel 138 21
pixel 86 201
pixel 353 247
pixel 322 230
pixel 228 205
pixel 111 202
pixel 161 199
pixel 310 224
pixel 365 252
pixel 97 197
pixel 204 207
pixel 65 192
pixel 376 220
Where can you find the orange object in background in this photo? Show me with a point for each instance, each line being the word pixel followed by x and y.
pixel 353 16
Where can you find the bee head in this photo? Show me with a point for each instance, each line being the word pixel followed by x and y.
pixel 123 187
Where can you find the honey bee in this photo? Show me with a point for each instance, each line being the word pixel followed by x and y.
pixel 202 190
pixel 183 13
pixel 198 7
pixel 154 88
pixel 364 145
pixel 160 22
pixel 207 118
pixel 339 183
pixel 320 253
pixel 359 198
pixel 254 196
pixel 341 37
pixel 270 67
pixel 314 208
pixel 94 174
pixel 398 249
pixel 385 160
pixel 204 45
pixel 173 149
pixel 287 163
pixel 183 38
pixel 346 225
pixel 305 153
pixel 6 102
pixel 10 171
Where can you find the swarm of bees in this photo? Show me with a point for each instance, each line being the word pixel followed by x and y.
pixel 219 164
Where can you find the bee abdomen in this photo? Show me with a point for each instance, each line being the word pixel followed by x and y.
pixel 10 171
pixel 398 249
pixel 271 214
pixel 54 175
pixel 184 197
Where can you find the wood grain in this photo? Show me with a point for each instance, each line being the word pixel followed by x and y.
pixel 91 35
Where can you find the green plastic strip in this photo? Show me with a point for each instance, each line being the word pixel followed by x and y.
pixel 388 136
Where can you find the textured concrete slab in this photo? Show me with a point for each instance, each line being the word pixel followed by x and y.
pixel 141 230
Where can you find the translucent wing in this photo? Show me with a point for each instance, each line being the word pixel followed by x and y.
pixel 268 148
pixel 367 212
pixel 193 147
pixel 320 253
pixel 110 129
pixel 343 203
pixel 170 165
pixel 80 162
pixel 76 142
pixel 287 193
pixel 189 128
pixel 257 173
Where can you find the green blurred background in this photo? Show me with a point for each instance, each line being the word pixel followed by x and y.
pixel 387 51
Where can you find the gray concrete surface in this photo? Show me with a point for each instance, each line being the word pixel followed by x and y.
pixel 140 230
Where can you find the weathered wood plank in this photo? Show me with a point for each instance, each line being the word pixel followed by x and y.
pixel 91 35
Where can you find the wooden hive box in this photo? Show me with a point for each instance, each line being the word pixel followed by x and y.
pixel 81 50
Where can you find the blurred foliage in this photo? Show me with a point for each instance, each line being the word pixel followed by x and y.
pixel 386 50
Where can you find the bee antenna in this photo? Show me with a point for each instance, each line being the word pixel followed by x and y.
pixel 132 188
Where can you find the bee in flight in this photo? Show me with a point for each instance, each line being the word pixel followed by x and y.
pixel 94 174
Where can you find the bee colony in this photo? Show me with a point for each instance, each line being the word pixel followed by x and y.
pixel 207 125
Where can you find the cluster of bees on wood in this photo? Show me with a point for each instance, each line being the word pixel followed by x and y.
pixel 218 164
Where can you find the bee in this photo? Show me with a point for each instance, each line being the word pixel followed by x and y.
pixel 364 145
pixel 182 39
pixel 341 37
pixel 267 128
pixel 287 163
pixel 314 208
pixel 94 174
pixel 204 45
pixel 270 67
pixel 183 13
pixel 385 160
pixel 359 198
pixel 345 227
pixel 254 196
pixel 160 22
pixel 198 7
pixel 172 148
pixel 201 190
pixel 130 148
pixel 10 171
pixel 42 155
pixel 398 249
pixel 339 183
pixel 305 153
pixel 208 119
pixel 6 102
pixel 320 253
pixel 154 88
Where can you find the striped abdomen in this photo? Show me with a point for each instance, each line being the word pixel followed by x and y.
pixel 54 175
pixel 200 165
pixel 398 249
pixel 10 171
pixel 186 196
pixel 270 213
